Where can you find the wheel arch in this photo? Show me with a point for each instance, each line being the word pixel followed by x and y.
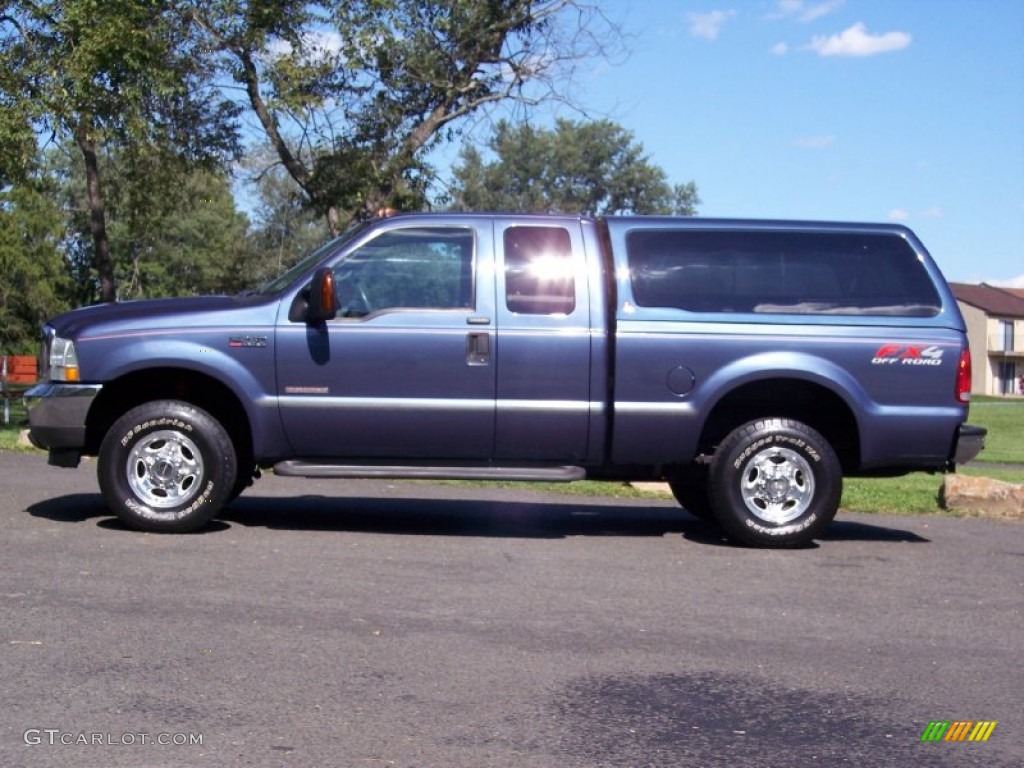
pixel 810 402
pixel 168 383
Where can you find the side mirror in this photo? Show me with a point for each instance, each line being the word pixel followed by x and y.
pixel 322 303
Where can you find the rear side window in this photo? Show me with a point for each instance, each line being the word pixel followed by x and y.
pixel 833 273
pixel 539 278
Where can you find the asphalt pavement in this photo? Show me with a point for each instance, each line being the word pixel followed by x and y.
pixel 326 623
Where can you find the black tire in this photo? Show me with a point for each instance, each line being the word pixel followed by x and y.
pixel 775 483
pixel 246 475
pixel 690 487
pixel 166 466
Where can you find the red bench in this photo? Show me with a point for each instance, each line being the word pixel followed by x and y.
pixel 19 369
pixel 16 373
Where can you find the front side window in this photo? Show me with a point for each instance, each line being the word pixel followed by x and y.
pixel 539 277
pixel 838 273
pixel 414 268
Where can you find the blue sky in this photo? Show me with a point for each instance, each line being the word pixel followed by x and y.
pixel 852 110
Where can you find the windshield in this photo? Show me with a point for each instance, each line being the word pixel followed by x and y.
pixel 281 282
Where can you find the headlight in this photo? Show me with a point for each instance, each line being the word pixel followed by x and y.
pixel 63 360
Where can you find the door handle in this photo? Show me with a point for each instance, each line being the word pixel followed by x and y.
pixel 478 349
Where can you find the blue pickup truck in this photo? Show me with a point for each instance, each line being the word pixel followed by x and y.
pixel 751 364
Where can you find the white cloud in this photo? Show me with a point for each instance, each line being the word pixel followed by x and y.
pixel 779 49
pixel 707 25
pixel 317 46
pixel 277 48
pixel 857 41
pixel 902 214
pixel 815 142
pixel 787 8
pixel 1013 282
pixel 817 10
pixel 803 11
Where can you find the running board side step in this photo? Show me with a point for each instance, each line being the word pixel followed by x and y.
pixel 299 468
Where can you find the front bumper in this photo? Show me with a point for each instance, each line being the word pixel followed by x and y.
pixel 970 442
pixel 57 413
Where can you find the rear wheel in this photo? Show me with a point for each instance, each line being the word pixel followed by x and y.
pixel 775 483
pixel 166 466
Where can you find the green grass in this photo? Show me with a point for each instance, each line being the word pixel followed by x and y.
pixel 912 494
pixel 9 432
pixel 9 440
pixel 612 489
pixel 908 495
pixel 1004 419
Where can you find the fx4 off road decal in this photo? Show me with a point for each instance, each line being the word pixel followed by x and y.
pixel 907 354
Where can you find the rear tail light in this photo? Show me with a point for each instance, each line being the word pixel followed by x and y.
pixel 963 377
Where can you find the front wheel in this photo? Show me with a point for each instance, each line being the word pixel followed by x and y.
pixel 775 483
pixel 166 466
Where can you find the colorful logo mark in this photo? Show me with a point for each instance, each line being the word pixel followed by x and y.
pixel 959 730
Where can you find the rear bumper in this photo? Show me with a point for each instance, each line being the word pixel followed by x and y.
pixel 57 415
pixel 970 442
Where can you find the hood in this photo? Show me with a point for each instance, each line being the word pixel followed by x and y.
pixel 163 314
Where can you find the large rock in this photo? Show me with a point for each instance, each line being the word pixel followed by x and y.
pixel 983 496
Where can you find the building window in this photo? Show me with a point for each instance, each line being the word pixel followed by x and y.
pixel 1006 326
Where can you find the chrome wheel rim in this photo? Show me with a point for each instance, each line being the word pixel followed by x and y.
pixel 165 469
pixel 777 485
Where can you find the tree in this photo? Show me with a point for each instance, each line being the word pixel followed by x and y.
pixel 284 227
pixel 35 280
pixel 594 168
pixel 108 72
pixel 352 94
pixel 183 239
pixel 194 243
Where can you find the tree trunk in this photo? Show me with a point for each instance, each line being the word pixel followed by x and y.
pixel 332 221
pixel 97 212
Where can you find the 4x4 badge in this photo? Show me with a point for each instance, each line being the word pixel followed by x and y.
pixel 907 354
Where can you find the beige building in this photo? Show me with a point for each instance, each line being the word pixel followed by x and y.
pixel 995 331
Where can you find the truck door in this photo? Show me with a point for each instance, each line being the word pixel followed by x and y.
pixel 544 341
pixel 406 368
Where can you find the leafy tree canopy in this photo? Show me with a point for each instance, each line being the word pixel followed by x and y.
pixel 107 73
pixel 595 168
pixel 35 279
pixel 352 94
pixel 185 238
